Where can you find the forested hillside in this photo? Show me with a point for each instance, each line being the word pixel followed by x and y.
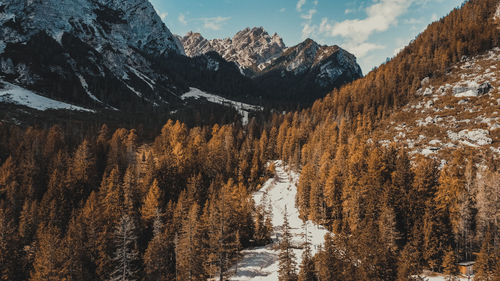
pixel 393 217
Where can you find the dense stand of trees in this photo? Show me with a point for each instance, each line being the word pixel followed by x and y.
pixel 108 208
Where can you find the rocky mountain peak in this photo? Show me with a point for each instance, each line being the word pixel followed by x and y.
pixel 251 48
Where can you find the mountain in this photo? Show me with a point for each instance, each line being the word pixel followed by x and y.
pixel 251 49
pixel 88 52
pixel 309 69
pixel 118 55
pixel 305 71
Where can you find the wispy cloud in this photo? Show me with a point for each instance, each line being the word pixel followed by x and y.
pixel 282 10
pixel 214 23
pixel 182 19
pixel 300 4
pixel 163 15
pixel 308 29
pixel 309 14
pixel 364 48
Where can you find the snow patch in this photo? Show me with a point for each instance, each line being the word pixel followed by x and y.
pixel 242 108
pixel 143 77
pixel 471 89
pixel 11 93
pixel 85 86
pixel 474 138
pixel 58 37
pixel 261 263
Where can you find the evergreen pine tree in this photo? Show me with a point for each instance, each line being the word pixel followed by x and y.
pixel 126 255
pixel 159 258
pixel 450 269
pixel 287 271
pixel 485 264
pixel 307 270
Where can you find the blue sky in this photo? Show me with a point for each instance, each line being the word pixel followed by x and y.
pixel 371 29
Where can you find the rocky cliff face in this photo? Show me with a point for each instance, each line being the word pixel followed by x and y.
pixel 259 55
pixel 251 49
pixel 85 42
pixel 326 63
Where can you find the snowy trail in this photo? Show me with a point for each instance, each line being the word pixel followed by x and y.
pixel 261 263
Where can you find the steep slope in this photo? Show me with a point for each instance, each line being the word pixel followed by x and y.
pixel 88 52
pixel 251 49
pixel 309 69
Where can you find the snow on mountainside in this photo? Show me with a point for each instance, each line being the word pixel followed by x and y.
pixel 257 53
pixel 251 49
pixel 119 23
pixel 328 62
pixel 459 110
pixel 242 108
pixel 13 94
pixel 80 45
pixel 261 263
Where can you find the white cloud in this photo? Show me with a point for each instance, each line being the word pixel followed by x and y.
pixel 300 4
pixel 309 14
pixel 380 16
pixel 308 30
pixel 282 10
pixel 182 19
pixel 214 23
pixel 362 49
pixel 163 16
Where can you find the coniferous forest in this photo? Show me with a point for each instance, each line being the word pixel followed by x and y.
pixel 118 204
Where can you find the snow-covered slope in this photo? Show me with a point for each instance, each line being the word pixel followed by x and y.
pixel 261 263
pixel 242 108
pixel 10 93
pixel 119 23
